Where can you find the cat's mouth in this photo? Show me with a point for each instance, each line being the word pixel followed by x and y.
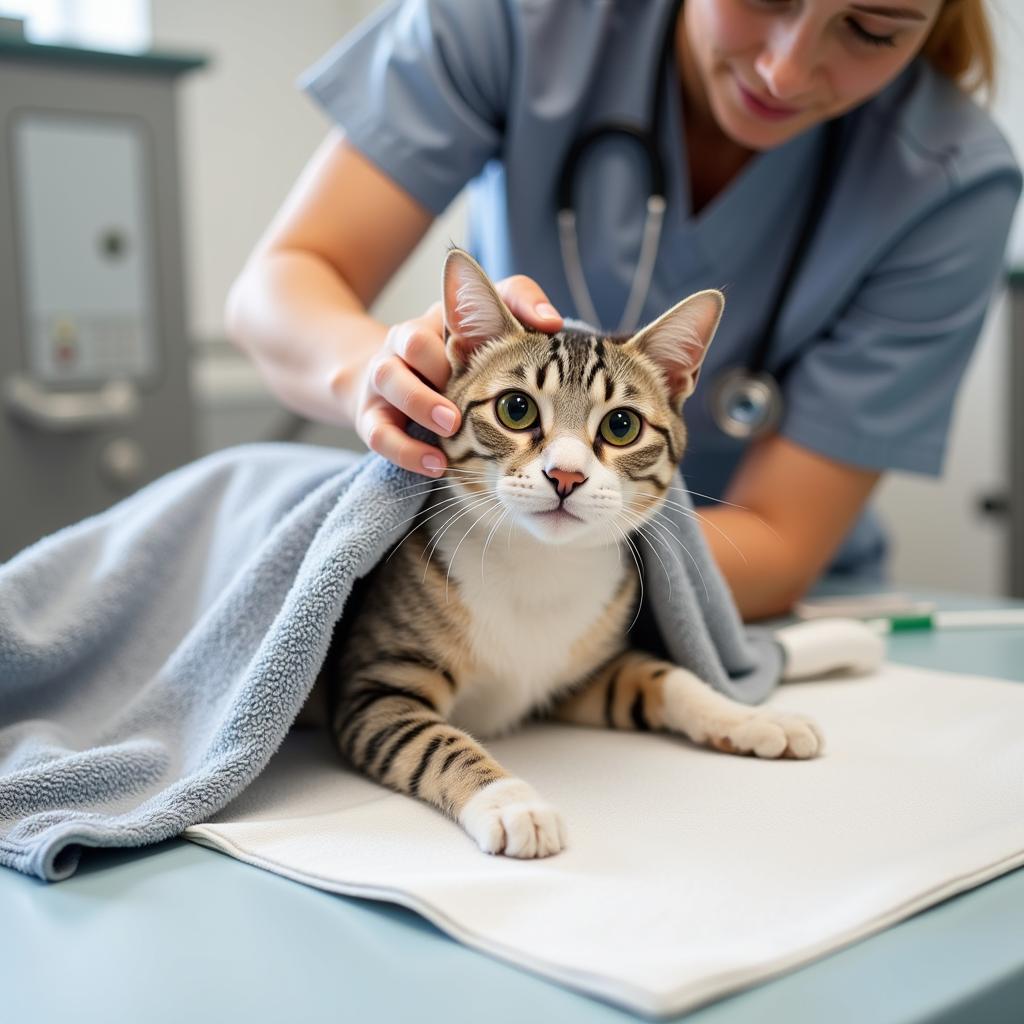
pixel 557 515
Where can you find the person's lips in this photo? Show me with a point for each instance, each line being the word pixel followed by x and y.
pixel 760 108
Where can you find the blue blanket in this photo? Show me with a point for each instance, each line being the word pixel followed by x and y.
pixel 153 657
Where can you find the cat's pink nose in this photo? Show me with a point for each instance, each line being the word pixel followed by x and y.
pixel 564 481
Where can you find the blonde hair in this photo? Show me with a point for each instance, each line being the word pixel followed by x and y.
pixel 961 46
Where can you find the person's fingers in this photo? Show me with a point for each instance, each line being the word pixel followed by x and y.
pixel 382 427
pixel 422 348
pixel 434 319
pixel 527 301
pixel 399 386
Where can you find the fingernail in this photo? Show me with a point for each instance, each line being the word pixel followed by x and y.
pixel 443 417
pixel 432 464
pixel 547 311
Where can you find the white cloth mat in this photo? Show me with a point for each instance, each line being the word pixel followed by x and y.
pixel 689 873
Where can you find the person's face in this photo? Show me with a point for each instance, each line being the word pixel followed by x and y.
pixel 769 69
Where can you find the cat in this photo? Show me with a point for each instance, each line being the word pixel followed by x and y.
pixel 568 443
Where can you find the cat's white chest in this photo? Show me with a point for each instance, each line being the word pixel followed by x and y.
pixel 529 606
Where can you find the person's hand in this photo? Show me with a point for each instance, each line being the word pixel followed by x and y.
pixel 403 380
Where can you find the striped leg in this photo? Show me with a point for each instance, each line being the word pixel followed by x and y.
pixel 637 691
pixel 390 724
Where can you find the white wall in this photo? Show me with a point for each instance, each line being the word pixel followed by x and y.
pixel 246 132
pixel 939 537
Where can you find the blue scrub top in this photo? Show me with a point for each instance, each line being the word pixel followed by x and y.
pixel 890 297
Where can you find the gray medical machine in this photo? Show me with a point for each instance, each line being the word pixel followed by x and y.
pixel 94 394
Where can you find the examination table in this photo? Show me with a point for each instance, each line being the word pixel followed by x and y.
pixel 176 931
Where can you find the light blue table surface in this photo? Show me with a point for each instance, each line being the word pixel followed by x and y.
pixel 176 932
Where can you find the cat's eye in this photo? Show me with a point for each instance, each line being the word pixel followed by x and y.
pixel 620 427
pixel 516 410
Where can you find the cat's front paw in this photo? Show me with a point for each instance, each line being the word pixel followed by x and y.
pixel 765 733
pixel 510 817
pixel 697 711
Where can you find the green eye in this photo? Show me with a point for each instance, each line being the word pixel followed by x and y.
pixel 517 411
pixel 620 427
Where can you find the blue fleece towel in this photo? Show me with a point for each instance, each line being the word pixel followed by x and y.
pixel 153 657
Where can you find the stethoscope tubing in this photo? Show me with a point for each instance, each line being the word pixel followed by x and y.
pixel 746 401
pixel 640 286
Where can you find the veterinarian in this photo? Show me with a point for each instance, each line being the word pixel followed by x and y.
pixel 825 163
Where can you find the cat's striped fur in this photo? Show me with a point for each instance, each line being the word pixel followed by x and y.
pixel 514 591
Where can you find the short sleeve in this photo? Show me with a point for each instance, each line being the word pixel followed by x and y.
pixel 877 389
pixel 420 89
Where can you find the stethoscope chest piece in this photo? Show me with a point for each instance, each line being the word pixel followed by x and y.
pixel 746 405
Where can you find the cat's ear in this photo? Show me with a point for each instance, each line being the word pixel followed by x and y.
pixel 678 340
pixel 474 312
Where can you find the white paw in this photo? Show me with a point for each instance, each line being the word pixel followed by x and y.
pixel 766 734
pixel 509 817
pixel 693 708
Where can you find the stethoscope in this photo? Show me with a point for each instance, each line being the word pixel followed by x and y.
pixel 746 401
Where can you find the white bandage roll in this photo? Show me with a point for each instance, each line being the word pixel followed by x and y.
pixel 822 646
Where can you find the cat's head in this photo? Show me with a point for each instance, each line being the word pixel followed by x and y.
pixel 576 434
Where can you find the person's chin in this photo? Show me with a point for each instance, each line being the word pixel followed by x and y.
pixel 746 128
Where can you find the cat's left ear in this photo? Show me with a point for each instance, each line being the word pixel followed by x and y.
pixel 678 340
pixel 474 313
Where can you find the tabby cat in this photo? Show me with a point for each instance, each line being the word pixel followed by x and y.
pixel 568 444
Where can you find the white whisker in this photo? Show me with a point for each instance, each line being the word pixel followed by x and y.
pixel 454 471
pixel 434 510
pixel 722 501
pixel 696 565
pixel 656 515
pixel 433 485
pixel 451 561
pixel 694 514
pixel 639 529
pixel 640 574
pixel 483 554
pixel 664 535
pixel 473 505
pixel 682 543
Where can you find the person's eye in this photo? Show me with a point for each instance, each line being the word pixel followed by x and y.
pixel 516 410
pixel 859 31
pixel 869 37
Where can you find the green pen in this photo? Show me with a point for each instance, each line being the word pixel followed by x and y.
pixel 990 618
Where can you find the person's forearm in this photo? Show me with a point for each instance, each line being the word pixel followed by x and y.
pixel 790 509
pixel 766 577
pixel 306 330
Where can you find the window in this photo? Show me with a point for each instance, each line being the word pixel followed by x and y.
pixel 94 24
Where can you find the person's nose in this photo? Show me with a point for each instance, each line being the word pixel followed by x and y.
pixel 564 481
pixel 788 64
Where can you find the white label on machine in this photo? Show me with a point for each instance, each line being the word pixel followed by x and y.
pixel 85 246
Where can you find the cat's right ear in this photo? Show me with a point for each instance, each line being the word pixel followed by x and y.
pixel 474 313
